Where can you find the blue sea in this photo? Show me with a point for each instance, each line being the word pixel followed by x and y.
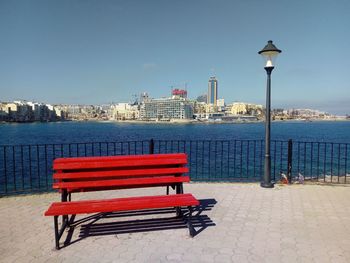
pixel 74 132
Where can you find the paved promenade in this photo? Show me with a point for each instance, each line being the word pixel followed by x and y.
pixel 235 223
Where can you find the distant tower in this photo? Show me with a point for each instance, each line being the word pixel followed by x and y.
pixel 212 91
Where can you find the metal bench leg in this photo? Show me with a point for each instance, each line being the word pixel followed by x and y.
pixel 189 223
pixel 167 190
pixel 64 198
pixel 179 188
pixel 57 238
pixel 66 222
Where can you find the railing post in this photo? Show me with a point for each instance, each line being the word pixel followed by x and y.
pixel 290 155
pixel 151 146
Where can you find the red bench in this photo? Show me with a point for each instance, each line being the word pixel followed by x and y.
pixel 84 174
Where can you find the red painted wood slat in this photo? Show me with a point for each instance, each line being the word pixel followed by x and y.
pixel 121 204
pixel 119 163
pixel 121 173
pixel 122 182
pixel 120 157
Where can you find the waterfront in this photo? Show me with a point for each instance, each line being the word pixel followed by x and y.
pixel 70 132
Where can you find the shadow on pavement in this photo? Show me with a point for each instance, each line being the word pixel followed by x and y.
pixel 90 226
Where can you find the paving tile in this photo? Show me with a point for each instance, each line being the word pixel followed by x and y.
pixel 298 223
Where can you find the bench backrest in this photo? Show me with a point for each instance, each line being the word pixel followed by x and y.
pixel 119 167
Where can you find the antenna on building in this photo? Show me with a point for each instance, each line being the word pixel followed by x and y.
pixel 212 71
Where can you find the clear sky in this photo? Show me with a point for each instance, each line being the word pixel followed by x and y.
pixel 94 52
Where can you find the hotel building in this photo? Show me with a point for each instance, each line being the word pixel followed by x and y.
pixel 212 91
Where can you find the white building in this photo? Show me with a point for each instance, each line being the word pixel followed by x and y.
pixel 124 111
pixel 166 109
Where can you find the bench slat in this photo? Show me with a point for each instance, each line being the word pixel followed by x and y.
pixel 121 173
pixel 121 204
pixel 132 182
pixel 121 157
pixel 119 163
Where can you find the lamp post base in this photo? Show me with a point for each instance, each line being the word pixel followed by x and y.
pixel 267 185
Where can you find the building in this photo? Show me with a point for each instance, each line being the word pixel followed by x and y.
pixel 241 108
pixel 179 93
pixel 166 109
pixel 24 111
pixel 124 111
pixel 212 91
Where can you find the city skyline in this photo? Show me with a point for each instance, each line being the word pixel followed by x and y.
pixel 92 52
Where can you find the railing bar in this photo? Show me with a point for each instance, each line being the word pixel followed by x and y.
pixel 14 167
pixel 274 160
pixel 30 167
pixel 332 161
pixel 346 161
pixel 215 160
pixel 22 166
pixel 247 162
pixel 298 159
pixel 222 157
pixel 196 163
pixel 38 164
pixel 311 158
pixel 209 162
pixel 254 158
pixel 261 158
pixel 305 145
pixel 318 160
pixel 241 161
pixel 281 158
pixel 5 168
pixel 339 161
pixel 228 158
pixel 324 162
pixel 46 175
pixel 202 170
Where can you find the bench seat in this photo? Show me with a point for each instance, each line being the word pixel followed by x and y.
pixel 120 204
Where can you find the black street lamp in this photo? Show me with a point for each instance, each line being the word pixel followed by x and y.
pixel 269 52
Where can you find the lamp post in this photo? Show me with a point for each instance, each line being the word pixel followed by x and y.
pixel 269 52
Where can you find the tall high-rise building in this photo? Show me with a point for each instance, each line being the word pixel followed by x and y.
pixel 212 91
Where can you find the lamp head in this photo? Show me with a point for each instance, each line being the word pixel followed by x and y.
pixel 269 52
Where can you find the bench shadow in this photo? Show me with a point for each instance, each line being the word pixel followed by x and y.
pixel 89 226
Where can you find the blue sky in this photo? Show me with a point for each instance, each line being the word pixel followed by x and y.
pixel 95 52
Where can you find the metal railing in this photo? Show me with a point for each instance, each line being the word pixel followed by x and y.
pixel 28 168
